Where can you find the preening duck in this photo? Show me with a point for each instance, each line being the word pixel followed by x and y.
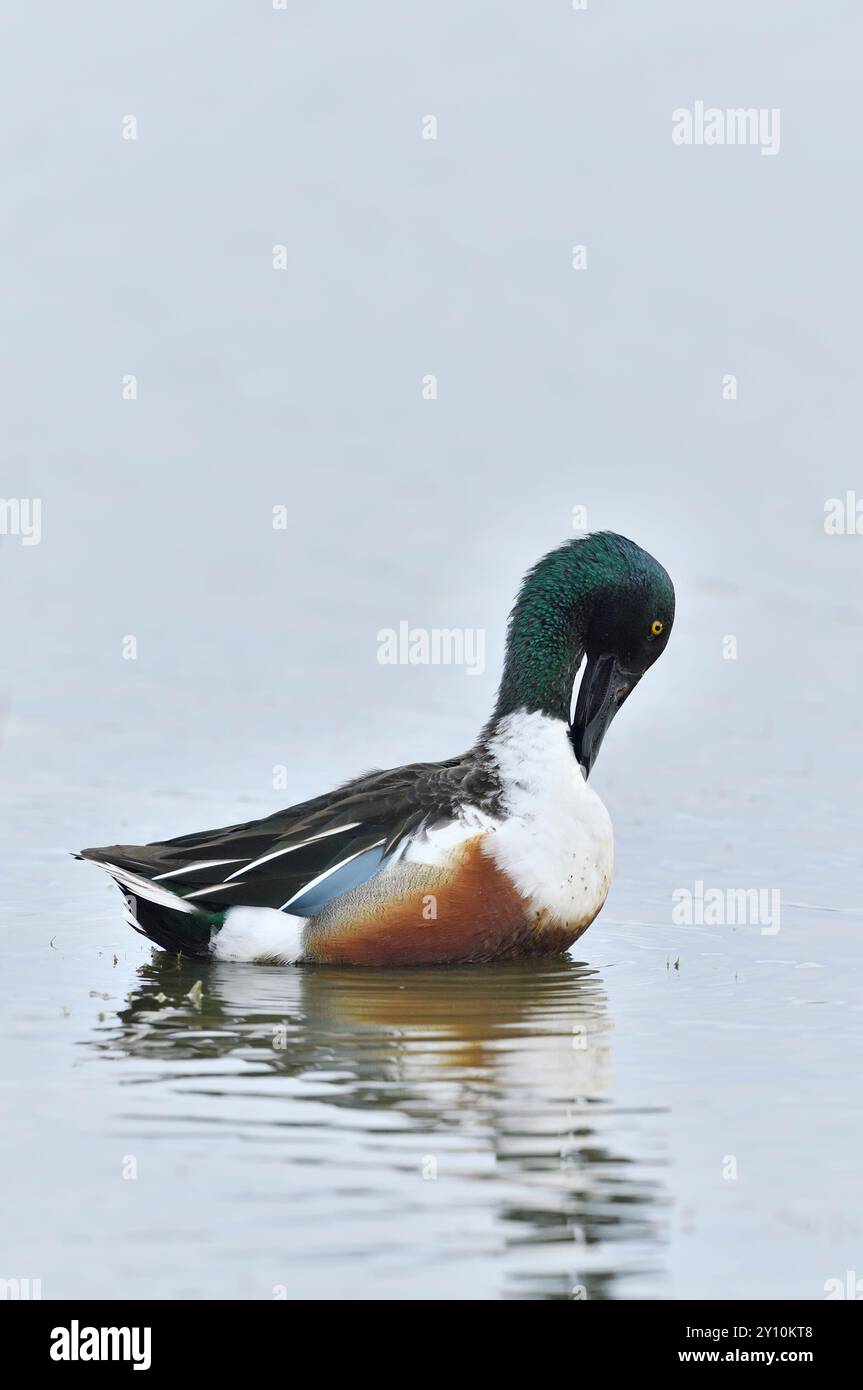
pixel 501 853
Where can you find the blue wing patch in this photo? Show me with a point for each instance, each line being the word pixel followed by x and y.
pixel 309 901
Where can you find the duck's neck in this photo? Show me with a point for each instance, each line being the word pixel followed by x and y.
pixel 547 629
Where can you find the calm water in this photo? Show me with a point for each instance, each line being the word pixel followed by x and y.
pixel 676 1110
pixel 550 1130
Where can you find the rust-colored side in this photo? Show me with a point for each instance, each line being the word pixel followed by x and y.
pixel 471 912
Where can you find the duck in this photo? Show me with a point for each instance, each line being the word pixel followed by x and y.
pixel 502 853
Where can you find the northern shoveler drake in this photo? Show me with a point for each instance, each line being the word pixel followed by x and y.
pixel 503 852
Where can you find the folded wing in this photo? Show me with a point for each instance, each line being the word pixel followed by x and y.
pixel 301 858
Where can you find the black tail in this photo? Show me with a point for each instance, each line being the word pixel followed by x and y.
pixel 159 914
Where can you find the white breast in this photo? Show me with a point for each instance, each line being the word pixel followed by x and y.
pixel 555 840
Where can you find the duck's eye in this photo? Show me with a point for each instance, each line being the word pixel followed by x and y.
pixel 656 627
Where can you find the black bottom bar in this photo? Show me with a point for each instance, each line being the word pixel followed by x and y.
pixel 80 1338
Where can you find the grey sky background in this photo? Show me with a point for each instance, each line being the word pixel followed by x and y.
pixel 557 388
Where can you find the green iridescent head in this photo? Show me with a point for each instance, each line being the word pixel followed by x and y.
pixel 601 597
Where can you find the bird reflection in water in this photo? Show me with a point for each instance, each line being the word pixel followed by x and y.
pixel 494 1080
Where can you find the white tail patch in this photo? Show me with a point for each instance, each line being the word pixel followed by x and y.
pixel 260 934
pixel 129 914
pixel 144 887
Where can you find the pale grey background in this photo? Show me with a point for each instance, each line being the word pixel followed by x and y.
pixel 258 647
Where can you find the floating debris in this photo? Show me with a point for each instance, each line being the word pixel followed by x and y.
pixel 196 993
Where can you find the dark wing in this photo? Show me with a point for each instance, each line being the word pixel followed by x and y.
pixel 302 857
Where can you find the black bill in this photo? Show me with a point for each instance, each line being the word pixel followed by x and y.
pixel 604 687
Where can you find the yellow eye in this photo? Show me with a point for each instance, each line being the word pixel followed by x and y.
pixel 656 627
